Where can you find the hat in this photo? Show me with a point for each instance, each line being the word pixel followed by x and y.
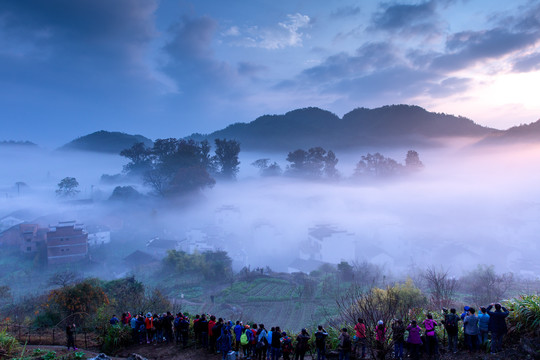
pixel 466 308
pixel 149 315
pixel 380 322
pixel 247 326
pixel 284 334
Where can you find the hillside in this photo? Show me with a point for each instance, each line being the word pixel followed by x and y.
pixel 106 142
pixel 527 133
pixel 395 125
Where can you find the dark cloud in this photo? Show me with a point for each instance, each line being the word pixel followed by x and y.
pixel 528 63
pixel 346 11
pixel 418 19
pixel 467 48
pixel 63 57
pixel 191 62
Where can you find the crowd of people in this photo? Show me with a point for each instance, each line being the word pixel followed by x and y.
pixel 254 341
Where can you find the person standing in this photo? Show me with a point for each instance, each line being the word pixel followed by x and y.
pixel 360 340
pixel 471 331
pixel 320 342
pixel 344 345
pixel 483 326
pixel 497 326
pixel 380 339
pixel 398 330
pixel 451 324
pixel 431 336
pixel 414 339
pixel 302 344
pixel 70 332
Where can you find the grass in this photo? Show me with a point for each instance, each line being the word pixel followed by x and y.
pixel 526 313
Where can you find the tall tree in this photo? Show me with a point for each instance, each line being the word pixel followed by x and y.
pixel 226 158
pixel 67 187
pixel 140 159
pixel 412 161
pixel 330 162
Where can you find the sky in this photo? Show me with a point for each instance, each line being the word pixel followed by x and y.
pixel 171 68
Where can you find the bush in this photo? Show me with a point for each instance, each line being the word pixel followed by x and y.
pixel 114 338
pixel 526 313
pixel 8 344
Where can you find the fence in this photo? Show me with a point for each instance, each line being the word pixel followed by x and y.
pixel 50 336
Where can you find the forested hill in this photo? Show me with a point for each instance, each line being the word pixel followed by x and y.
pixel 395 125
pixel 529 133
pixel 106 142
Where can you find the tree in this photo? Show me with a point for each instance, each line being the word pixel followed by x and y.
pixel 267 169
pixel 442 287
pixel 64 278
pixel 226 158
pixel 141 160
pixel 486 286
pixel 345 271
pixel 412 161
pixel 313 163
pixel 376 166
pixel 330 162
pixel 67 187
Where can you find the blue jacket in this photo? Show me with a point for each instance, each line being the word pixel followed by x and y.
pixel 483 321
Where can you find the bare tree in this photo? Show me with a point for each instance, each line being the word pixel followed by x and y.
pixel 64 278
pixel 486 286
pixel 441 286
pixel 372 306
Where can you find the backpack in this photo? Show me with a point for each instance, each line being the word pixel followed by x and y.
pixel 244 339
pixel 177 322
pixel 319 339
pixel 287 345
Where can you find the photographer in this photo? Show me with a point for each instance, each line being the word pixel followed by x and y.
pixel 398 330
pixel 497 325
pixel 451 325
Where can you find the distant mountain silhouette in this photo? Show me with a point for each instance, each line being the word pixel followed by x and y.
pixel 394 125
pixel 106 142
pixel 17 143
pixel 529 133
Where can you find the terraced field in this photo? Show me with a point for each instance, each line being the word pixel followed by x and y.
pixel 267 300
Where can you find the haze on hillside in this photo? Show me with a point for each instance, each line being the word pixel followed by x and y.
pixel 468 206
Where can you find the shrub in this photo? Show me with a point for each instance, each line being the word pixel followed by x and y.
pixel 8 344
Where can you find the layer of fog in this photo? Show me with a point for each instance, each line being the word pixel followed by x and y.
pixel 467 207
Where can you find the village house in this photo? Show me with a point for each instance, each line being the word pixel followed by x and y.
pixel 66 242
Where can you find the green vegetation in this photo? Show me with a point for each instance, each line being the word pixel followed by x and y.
pixel 9 346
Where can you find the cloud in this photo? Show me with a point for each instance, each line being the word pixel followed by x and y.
pixel 346 11
pixel 467 48
pixel 527 63
pixel 63 57
pixel 285 34
pixel 418 19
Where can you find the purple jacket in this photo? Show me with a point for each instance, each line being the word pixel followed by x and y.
pixel 414 334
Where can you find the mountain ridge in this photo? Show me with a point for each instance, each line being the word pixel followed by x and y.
pixel 112 142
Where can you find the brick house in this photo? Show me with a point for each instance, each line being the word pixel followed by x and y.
pixel 66 243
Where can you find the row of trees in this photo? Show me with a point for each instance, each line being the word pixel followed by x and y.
pixel 177 166
pixel 317 163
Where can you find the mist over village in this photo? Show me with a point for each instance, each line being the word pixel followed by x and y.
pixel 348 175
